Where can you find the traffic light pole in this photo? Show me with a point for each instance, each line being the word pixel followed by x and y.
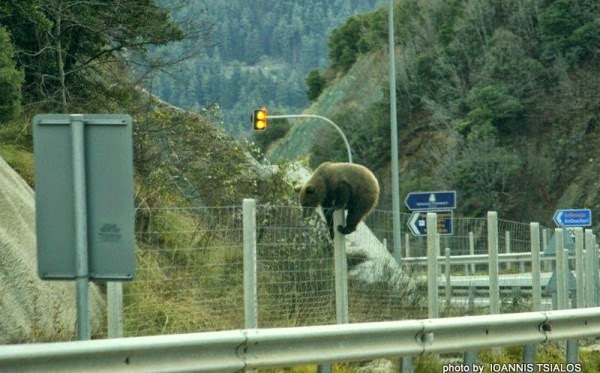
pixel 338 129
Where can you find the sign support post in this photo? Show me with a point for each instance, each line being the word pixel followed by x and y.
pixel 80 215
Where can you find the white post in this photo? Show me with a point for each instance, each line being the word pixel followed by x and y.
pixel 340 269
pixel 579 268
pixel 492 230
pixel 249 237
pixel 472 249
pixel 590 283
pixel 507 247
pixel 547 264
pixel 561 289
pixel 447 275
pixel 536 283
pixel 114 297
pixel 594 273
pixel 433 251
pixel 592 278
pixel 529 351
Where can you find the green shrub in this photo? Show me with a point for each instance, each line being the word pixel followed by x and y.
pixel 11 80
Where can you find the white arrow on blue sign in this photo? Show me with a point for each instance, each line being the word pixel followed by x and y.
pixel 442 200
pixel 573 218
pixel 418 223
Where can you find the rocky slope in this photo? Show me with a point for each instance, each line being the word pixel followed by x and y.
pixel 32 309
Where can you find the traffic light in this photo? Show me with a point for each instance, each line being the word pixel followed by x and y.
pixel 259 119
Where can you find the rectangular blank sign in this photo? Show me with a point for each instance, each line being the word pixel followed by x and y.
pixel 109 196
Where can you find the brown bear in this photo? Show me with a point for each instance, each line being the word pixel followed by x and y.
pixel 336 186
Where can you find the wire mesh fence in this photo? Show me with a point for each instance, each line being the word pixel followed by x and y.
pixel 190 270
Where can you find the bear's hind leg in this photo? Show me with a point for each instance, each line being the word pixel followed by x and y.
pixel 328 212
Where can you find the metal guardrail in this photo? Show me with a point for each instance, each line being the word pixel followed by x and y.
pixel 478 259
pixel 234 350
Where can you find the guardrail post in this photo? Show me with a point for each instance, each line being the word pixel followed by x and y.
pixel 249 237
pixel 470 359
pixel 433 250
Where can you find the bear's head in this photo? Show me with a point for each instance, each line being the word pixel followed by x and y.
pixel 312 194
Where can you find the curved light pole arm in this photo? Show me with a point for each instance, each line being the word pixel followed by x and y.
pixel 318 117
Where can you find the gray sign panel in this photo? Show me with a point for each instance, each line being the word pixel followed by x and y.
pixel 108 163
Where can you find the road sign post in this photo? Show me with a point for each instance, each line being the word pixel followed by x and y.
pixel 84 201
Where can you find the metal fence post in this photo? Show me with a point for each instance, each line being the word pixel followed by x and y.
pixel 494 283
pixel 579 268
pixel 536 283
pixel 433 251
pixel 590 288
pixel 447 275
pixel 472 249
pixel 529 351
pixel 507 247
pixel 595 266
pixel 547 264
pixel 249 237
pixel 561 289
pixel 340 268
pixel 340 265
pixel 492 231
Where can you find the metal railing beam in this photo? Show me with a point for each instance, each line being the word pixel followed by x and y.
pixel 234 350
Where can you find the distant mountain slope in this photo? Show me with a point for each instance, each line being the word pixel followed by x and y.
pixel 259 54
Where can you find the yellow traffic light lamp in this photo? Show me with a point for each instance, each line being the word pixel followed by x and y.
pixel 259 119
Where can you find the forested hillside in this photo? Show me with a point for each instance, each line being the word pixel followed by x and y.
pixel 496 99
pixel 93 57
pixel 259 54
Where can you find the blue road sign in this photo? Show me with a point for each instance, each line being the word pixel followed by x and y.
pixel 418 223
pixel 573 218
pixel 443 200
